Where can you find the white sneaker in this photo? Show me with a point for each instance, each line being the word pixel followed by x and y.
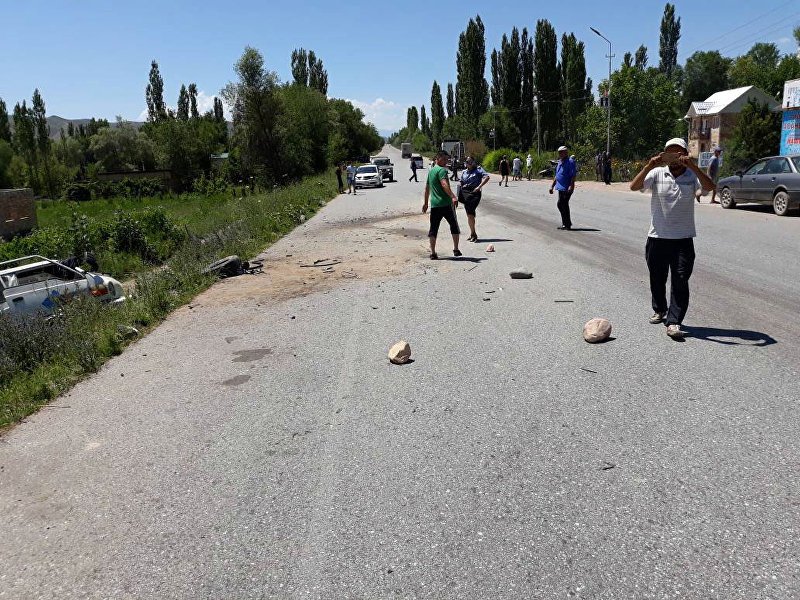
pixel 675 332
pixel 657 318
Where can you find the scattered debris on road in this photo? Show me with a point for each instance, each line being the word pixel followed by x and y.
pixel 127 332
pixel 563 300
pixel 597 330
pixel 607 465
pixel 400 353
pixel 588 370
pixel 231 266
pixel 323 262
pixel 490 248
pixel 521 273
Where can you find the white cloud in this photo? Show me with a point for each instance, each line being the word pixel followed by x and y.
pixel 204 103
pixel 384 114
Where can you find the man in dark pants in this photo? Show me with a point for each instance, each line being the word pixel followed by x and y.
pixel 413 170
pixel 564 183
pixel 443 203
pixel 672 179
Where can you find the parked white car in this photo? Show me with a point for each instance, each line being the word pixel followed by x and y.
pixel 37 284
pixel 369 176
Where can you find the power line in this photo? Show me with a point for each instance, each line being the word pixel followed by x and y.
pixel 747 24
pixel 754 36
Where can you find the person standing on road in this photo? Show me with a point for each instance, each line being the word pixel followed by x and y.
pixel 529 166
pixel 473 178
pixel 339 178
pixel 598 167
pixel 713 172
pixel 607 168
pixel 413 170
pixel 453 169
pixel 504 169
pixel 672 179
pixel 351 178
pixel 517 162
pixel 564 183
pixel 443 203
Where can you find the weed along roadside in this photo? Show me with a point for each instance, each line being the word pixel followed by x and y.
pixel 40 359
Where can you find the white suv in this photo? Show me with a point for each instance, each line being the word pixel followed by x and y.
pixel 36 284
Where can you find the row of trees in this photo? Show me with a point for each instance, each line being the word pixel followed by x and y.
pixel 539 93
pixel 280 132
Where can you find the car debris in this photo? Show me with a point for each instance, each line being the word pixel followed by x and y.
pixel 232 266
pixel 34 283
pixel 521 273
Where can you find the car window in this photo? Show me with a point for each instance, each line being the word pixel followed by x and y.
pixel 44 273
pixel 756 168
pixel 796 161
pixel 370 169
pixel 777 165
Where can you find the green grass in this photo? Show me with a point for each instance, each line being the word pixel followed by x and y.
pixel 39 361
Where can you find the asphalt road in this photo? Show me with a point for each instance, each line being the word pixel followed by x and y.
pixel 268 449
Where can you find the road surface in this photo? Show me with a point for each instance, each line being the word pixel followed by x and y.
pixel 258 444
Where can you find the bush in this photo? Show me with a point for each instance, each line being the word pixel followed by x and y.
pixel 491 162
pixel 78 192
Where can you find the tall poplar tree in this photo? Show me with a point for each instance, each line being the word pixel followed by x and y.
pixel 424 123
pixel 219 114
pixel 317 75
pixel 25 139
pixel 42 129
pixel 451 103
pixel 193 102
pixel 547 82
pixel 183 104
pixel 472 90
pixel 640 61
pixel 526 123
pixel 668 42
pixel 574 84
pixel 300 66
pixel 154 95
pixel 5 126
pixel 437 114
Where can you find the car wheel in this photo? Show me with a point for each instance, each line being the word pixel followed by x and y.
pixel 726 198
pixel 780 203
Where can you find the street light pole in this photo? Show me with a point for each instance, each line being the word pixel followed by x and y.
pixel 610 56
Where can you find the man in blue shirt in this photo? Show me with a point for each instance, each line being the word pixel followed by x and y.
pixel 473 178
pixel 564 182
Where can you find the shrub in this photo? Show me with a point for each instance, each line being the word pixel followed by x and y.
pixel 78 192
pixel 491 162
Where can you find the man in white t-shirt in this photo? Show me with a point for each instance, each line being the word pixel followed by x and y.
pixel 517 168
pixel 529 165
pixel 672 179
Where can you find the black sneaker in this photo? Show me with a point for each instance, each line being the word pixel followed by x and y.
pixel 456 252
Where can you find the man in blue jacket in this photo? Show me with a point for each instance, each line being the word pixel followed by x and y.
pixel 564 183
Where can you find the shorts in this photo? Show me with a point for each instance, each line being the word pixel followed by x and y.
pixel 470 200
pixel 517 172
pixel 448 213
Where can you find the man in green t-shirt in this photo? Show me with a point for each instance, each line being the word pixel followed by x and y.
pixel 443 203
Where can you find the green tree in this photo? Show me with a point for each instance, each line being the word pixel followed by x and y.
pixel 471 86
pixel 412 119
pixel 43 141
pixel 526 120
pixel 547 82
pixel 5 126
pixel 256 110
pixel 451 105
pixel 668 41
pixel 122 148
pixel 183 104
pixel 575 87
pixel 317 75
pixel 424 123
pixel 154 95
pixel 437 113
pixel 757 134
pixel 6 156
pixel 764 67
pixel 300 66
pixel 219 113
pixel 502 120
pixel 304 130
pixel 640 60
pixel 704 74
pixel 193 101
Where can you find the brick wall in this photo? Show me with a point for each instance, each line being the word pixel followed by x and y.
pixel 17 212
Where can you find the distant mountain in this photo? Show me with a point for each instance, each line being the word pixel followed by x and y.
pixel 57 123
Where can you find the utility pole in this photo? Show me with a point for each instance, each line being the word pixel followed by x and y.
pixel 538 127
pixel 610 56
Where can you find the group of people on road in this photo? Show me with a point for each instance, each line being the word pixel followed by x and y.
pixel 602 167
pixel 350 169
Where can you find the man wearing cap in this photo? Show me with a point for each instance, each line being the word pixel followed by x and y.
pixel 672 179
pixel 443 203
pixel 473 178
pixel 713 172
pixel 564 183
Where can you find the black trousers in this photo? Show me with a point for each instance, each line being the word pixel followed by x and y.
pixel 413 175
pixel 674 258
pixel 563 207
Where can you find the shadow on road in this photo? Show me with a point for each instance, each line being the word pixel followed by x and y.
pixel 493 240
pixel 761 208
pixel 473 259
pixel 585 229
pixel 730 337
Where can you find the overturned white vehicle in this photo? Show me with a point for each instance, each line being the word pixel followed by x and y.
pixel 34 284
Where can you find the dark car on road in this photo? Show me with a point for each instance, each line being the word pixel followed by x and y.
pixel 774 180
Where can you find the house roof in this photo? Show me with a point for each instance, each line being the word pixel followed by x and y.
pixel 730 101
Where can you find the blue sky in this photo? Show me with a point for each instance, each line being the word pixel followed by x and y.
pixel 91 58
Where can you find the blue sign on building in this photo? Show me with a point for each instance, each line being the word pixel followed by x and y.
pixel 790 132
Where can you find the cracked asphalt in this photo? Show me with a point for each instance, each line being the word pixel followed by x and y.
pixel 262 446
